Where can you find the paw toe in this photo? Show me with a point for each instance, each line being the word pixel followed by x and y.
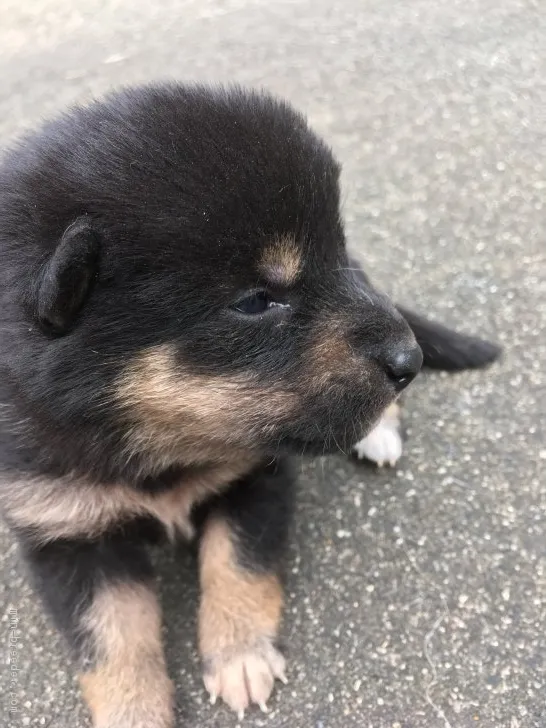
pixel 245 678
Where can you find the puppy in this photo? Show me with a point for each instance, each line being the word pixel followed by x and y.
pixel 178 315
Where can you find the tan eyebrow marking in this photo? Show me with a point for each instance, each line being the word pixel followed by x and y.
pixel 281 261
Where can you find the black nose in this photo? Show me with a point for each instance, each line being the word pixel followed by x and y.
pixel 403 366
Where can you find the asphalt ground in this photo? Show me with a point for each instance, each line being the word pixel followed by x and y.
pixel 416 596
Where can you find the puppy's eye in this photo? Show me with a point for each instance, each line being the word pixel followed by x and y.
pixel 256 303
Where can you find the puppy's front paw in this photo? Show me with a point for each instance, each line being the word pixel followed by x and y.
pixel 244 676
pixel 384 442
pixel 239 618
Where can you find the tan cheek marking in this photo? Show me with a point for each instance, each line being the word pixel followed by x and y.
pixel 129 687
pixel 238 608
pixel 281 262
pixel 72 507
pixel 331 357
pixel 172 410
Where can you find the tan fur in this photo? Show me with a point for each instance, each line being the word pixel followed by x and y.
pixel 129 687
pixel 331 357
pixel 238 608
pixel 170 410
pixel 281 262
pixel 71 507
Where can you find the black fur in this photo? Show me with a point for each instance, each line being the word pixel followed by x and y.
pixel 69 572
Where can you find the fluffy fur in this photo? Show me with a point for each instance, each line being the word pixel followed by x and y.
pixel 178 315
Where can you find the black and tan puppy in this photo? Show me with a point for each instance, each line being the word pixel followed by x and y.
pixel 178 314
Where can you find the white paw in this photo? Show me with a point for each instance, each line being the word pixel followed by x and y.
pixel 384 442
pixel 244 677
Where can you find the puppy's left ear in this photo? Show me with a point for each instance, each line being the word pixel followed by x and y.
pixel 66 278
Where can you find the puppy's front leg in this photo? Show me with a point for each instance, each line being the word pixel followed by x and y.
pixel 241 595
pixel 101 597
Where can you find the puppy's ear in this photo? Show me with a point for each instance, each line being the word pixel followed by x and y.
pixel 65 280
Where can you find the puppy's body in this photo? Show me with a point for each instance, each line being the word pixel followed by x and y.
pixel 178 314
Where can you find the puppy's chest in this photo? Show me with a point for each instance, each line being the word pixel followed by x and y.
pixel 171 496
pixel 74 508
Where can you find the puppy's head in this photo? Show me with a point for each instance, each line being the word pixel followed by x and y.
pixel 180 257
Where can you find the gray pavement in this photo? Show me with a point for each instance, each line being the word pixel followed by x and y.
pixel 417 597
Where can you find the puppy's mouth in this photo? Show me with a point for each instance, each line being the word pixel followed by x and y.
pixel 317 440
pixel 328 446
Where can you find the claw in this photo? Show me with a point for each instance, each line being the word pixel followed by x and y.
pixel 246 677
pixel 283 678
